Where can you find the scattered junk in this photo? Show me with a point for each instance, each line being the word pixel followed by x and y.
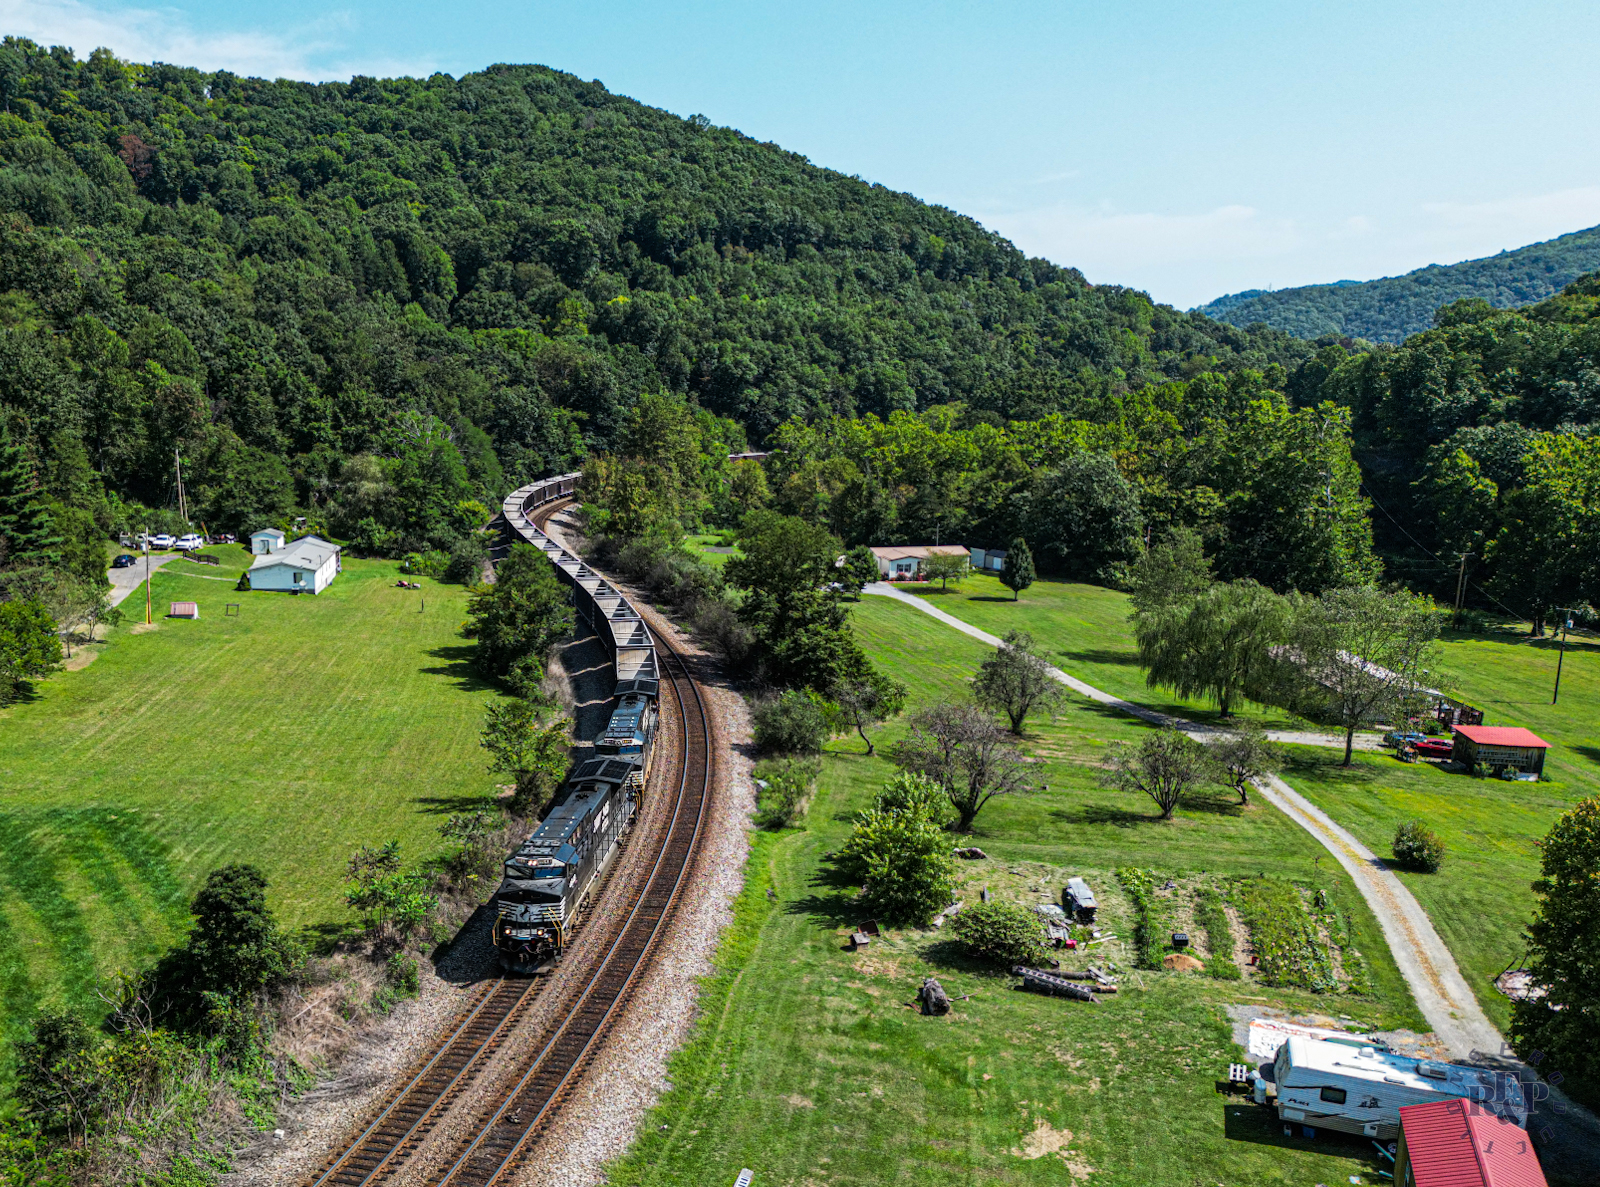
pixel 1058 928
pixel 745 1176
pixel 870 927
pixel 1452 713
pixel 971 853
pixel 1081 900
pixel 953 909
pixel 1052 984
pixel 1181 962
pixel 404 584
pixel 859 940
pixel 983 894
pixel 1518 984
pixel 1180 941
pixel 230 609
pixel 1169 884
pixel 184 610
pixel 1336 1084
pixel 933 998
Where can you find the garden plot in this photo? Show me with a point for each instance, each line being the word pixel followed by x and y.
pixel 1299 938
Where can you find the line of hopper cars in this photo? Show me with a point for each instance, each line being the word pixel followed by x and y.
pixel 550 876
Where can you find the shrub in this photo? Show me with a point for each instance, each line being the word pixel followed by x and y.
pixel 793 722
pixel 903 861
pixel 465 565
pixel 1418 847
pixel 432 563
pixel 908 791
pixel 782 801
pixel 1006 934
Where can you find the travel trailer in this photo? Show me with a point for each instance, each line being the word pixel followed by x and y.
pixel 1360 1090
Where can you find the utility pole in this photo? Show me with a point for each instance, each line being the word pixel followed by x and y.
pixel 1461 586
pixel 1561 654
pixel 147 619
pixel 183 506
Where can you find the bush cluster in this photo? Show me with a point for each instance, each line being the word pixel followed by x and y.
pixel 795 721
pixel 788 784
pixel 1418 847
pixel 900 854
pixel 1006 934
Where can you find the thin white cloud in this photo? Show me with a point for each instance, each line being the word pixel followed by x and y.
pixel 1523 219
pixel 316 52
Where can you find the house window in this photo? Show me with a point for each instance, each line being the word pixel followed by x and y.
pixel 1334 1096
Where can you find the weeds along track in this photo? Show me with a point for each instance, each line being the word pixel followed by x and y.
pixel 495 1142
pixel 569 1044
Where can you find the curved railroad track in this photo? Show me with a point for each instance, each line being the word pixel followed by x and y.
pixel 545 1080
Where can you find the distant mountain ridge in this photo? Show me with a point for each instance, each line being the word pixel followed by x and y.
pixel 1390 309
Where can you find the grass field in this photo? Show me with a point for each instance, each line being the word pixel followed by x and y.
pixel 1081 629
pixel 809 1067
pixel 284 736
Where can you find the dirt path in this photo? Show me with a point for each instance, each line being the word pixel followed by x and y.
pixel 1154 716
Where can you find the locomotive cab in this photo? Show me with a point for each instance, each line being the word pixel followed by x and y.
pixel 530 925
pixel 631 729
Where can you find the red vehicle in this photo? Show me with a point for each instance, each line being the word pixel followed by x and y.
pixel 1435 747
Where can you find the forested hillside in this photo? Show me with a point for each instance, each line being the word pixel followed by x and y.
pixel 1392 309
pixel 385 302
pixel 1479 437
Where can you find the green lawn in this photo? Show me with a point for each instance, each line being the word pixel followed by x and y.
pixel 284 736
pixel 708 546
pixel 809 1067
pixel 1081 629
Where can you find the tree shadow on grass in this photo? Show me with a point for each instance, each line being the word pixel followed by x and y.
pixel 1592 753
pixel 992 598
pixel 1103 814
pixel 1125 659
pixel 1213 804
pixel 445 805
pixel 322 938
pixel 459 666
pixel 1326 765
pixel 949 955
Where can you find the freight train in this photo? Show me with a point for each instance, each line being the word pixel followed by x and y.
pixel 550 876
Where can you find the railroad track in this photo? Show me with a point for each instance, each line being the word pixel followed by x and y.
pixel 408 1116
pixel 569 1044
pixel 544 1081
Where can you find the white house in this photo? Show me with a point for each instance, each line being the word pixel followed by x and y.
pixel 905 563
pixel 309 565
pixel 266 541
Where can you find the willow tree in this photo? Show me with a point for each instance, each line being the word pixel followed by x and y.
pixel 1218 645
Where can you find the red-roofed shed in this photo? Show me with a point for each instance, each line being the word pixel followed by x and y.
pixel 1498 747
pixel 1454 1143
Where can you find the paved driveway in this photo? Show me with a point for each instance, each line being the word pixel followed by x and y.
pixel 125 581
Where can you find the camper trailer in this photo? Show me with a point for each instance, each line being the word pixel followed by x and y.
pixel 1360 1090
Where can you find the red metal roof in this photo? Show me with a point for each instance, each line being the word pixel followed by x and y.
pixel 1453 1143
pixel 1502 735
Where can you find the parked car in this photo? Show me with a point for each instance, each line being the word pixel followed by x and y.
pixel 124 561
pixel 1399 738
pixel 1435 747
pixel 190 542
pixel 161 540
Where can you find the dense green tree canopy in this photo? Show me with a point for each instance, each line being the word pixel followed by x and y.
pixel 319 294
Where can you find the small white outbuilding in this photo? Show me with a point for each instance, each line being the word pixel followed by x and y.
pixel 266 541
pixel 309 565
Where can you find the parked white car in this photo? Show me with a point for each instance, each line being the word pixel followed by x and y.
pixel 190 542
pixel 161 540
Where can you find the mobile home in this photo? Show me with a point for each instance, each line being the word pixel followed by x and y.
pixel 1361 1090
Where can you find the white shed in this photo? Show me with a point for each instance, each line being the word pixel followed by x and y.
pixel 308 565
pixel 266 541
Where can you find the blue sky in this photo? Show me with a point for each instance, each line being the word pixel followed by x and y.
pixel 1186 149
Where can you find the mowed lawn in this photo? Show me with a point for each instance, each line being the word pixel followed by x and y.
pixel 284 736
pixel 809 1066
pixel 1081 629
